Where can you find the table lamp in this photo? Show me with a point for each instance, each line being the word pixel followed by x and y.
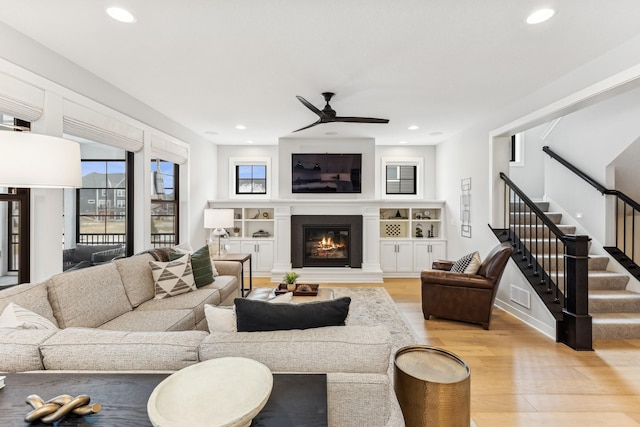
pixel 217 220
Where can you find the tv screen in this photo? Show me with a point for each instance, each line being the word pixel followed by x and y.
pixel 326 173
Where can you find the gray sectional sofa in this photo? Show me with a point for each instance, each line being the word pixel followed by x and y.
pixel 110 321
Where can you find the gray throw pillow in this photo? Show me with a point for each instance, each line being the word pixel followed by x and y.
pixel 256 315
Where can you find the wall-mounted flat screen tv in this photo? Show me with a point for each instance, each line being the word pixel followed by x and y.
pixel 326 173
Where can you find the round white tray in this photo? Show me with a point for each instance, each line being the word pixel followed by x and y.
pixel 224 392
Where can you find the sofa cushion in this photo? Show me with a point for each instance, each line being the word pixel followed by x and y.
pixel 201 265
pixel 14 316
pixel 88 297
pixel 20 349
pixel 173 277
pixel 226 285
pixel 223 319
pixel 255 315
pixel 32 296
pixel 319 350
pixel 101 350
pixel 153 321
pixel 192 300
pixel 85 252
pixel 137 278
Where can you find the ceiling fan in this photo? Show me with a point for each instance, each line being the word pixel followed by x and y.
pixel 328 114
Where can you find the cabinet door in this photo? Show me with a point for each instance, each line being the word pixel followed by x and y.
pixel 234 247
pixel 264 256
pixel 438 251
pixel 388 254
pixel 404 257
pixel 421 256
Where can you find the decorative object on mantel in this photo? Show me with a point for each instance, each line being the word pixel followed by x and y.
pixel 261 233
pixel 265 215
pixel 257 215
pixel 290 279
pixel 465 207
pixel 54 409
pixel 236 231
pixel 419 231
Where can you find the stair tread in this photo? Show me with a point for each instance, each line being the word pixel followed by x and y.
pixel 610 318
pixel 611 294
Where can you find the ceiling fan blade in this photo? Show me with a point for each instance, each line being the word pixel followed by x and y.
pixel 310 106
pixel 360 120
pixel 307 127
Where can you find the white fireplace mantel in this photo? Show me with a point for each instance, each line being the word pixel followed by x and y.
pixel 370 272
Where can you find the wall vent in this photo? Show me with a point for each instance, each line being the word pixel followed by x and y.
pixel 520 296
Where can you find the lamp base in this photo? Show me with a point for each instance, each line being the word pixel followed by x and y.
pixel 218 242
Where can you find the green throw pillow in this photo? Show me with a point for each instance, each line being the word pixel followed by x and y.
pixel 200 264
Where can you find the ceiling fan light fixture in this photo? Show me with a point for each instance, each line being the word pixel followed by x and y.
pixel 540 16
pixel 121 15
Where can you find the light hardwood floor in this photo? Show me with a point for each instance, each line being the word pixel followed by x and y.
pixel 520 377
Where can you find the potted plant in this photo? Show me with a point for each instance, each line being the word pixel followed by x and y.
pixel 290 280
pixel 236 231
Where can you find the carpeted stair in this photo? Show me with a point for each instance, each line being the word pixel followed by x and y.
pixel 615 311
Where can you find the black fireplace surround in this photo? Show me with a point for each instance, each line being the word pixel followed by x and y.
pixel 352 223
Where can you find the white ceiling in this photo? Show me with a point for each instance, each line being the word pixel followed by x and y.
pixel 439 64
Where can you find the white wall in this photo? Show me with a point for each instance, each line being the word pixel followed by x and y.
pixel 529 174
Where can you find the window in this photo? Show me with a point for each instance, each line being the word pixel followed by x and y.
pixel 101 219
pixel 251 179
pixel 164 203
pixel 401 179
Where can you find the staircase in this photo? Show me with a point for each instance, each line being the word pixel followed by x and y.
pixel 615 311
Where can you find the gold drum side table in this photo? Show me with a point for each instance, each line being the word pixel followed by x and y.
pixel 433 387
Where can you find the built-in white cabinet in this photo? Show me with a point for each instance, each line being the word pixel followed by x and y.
pixel 427 251
pixel 396 256
pixel 261 254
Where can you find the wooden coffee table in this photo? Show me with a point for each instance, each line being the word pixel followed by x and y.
pixel 296 399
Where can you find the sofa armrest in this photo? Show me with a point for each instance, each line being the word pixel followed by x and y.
pixel 447 278
pixel 442 264
pixel 229 268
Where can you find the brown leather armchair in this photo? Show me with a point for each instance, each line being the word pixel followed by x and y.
pixel 465 297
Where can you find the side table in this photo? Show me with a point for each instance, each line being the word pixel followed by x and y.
pixel 433 387
pixel 241 258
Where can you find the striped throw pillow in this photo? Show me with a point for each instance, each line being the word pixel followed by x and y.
pixel 14 316
pixel 172 278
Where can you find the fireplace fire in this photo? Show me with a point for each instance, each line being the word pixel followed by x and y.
pixel 326 241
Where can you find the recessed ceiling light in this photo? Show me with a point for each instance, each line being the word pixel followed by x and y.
pixel 436 133
pixel 249 142
pixel 540 16
pixel 121 15
pixel 241 127
pixel 413 127
pixel 402 142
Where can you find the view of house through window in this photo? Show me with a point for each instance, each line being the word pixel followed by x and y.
pixel 101 202
pixel 401 179
pixel 164 203
pixel 251 179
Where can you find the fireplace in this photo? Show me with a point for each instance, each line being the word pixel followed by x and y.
pixel 326 241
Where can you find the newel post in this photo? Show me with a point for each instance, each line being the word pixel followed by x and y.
pixel 575 330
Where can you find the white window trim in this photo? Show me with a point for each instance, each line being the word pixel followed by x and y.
pixel 244 161
pixel 418 162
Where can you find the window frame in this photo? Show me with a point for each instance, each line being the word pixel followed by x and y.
pixel 234 162
pixel 176 207
pixel 416 162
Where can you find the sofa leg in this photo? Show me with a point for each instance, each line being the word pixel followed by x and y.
pixel 426 316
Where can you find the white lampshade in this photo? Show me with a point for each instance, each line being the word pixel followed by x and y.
pixel 218 218
pixel 32 160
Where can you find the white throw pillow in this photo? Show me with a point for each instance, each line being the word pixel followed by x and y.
pixel 468 264
pixel 14 316
pixel 173 278
pixel 223 318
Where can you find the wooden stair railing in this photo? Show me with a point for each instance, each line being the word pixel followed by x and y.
pixel 538 242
